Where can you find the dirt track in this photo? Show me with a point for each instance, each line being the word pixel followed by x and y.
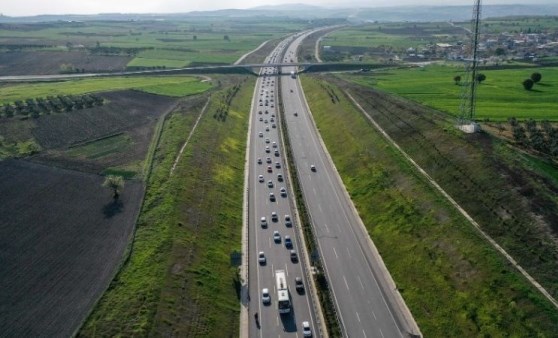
pixel 61 240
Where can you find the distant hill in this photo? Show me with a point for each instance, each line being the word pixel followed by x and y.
pixel 302 11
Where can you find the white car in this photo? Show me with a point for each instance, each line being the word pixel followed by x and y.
pixel 274 217
pixel 288 221
pixel 266 299
pixel 313 168
pixel 272 197
pixel 261 258
pixel 283 191
pixel 261 178
pixel 276 236
pixel 263 222
pixel 306 330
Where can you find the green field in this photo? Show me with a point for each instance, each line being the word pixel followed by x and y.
pixel 499 97
pixel 178 280
pixel 103 147
pixel 454 283
pixel 163 85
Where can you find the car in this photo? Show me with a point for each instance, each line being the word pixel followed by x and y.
pixel 260 112
pixel 283 191
pixel 291 90
pixel 294 256
pixel 261 178
pixel 273 126
pixel 263 222
pixel 272 115
pixel 299 285
pixel 260 134
pixel 261 118
pixel 306 330
pixel 272 106
pixel 276 237
pixel 265 121
pixel 267 140
pixel 266 299
pixel 266 128
pixel 274 144
pixel 267 112
pixel 288 242
pixel 272 197
pixel 270 184
pixel 274 217
pixel 261 258
pixel 261 104
pixel 288 221
pixel 280 177
pixel 259 161
pixel 276 153
pixel 277 165
pixel 268 160
pixel 272 120
pixel 295 114
pixel 269 169
pixel 313 168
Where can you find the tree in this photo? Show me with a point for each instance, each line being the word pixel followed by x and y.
pixel 500 51
pixel 195 37
pixel 481 77
pixel 226 37
pixel 115 183
pixel 457 79
pixel 528 84
pixel 536 77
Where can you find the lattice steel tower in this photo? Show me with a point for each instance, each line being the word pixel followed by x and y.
pixel 469 86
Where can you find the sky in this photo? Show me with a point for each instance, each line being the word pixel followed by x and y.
pixel 35 7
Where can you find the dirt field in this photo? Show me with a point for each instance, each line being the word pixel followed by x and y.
pixel 25 63
pixel 61 240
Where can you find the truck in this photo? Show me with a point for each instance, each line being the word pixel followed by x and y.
pixel 283 297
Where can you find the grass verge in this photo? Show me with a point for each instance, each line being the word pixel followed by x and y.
pixel 454 283
pixel 178 280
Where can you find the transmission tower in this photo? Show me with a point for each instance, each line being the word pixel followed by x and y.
pixel 469 86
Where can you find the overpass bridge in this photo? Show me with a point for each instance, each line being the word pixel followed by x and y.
pixel 249 69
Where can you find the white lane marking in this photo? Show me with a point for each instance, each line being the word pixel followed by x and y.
pixel 381 332
pixel 327 228
pixel 346 284
pixel 374 314
pixel 320 207
pixel 349 254
pixel 358 317
pixel 360 281
pixel 314 189
pixel 335 252
pixel 364 333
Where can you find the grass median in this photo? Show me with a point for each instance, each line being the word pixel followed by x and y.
pixel 454 283
pixel 178 280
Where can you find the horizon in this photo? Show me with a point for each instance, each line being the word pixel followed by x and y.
pixel 166 7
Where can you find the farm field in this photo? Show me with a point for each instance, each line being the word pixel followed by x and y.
pixel 179 280
pixel 62 239
pixel 499 97
pixel 98 46
pixel 163 85
pixel 50 62
pixel 438 252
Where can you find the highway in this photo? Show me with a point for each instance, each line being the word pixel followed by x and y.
pixel 343 244
pixel 266 162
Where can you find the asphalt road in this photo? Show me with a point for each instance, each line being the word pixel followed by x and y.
pixel 271 323
pixel 343 246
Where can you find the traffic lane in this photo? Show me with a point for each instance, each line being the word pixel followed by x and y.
pixel 345 281
pixel 288 324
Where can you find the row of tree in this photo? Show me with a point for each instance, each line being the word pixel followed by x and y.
pixel 223 107
pixel 50 104
pixel 543 138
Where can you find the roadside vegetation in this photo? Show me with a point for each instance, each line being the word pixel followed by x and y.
pixel 453 281
pixel 178 280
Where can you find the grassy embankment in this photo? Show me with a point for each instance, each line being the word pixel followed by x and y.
pixel 176 86
pixel 454 283
pixel 499 97
pixel 178 280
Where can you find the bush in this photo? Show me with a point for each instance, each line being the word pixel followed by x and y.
pixel 536 77
pixel 528 84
